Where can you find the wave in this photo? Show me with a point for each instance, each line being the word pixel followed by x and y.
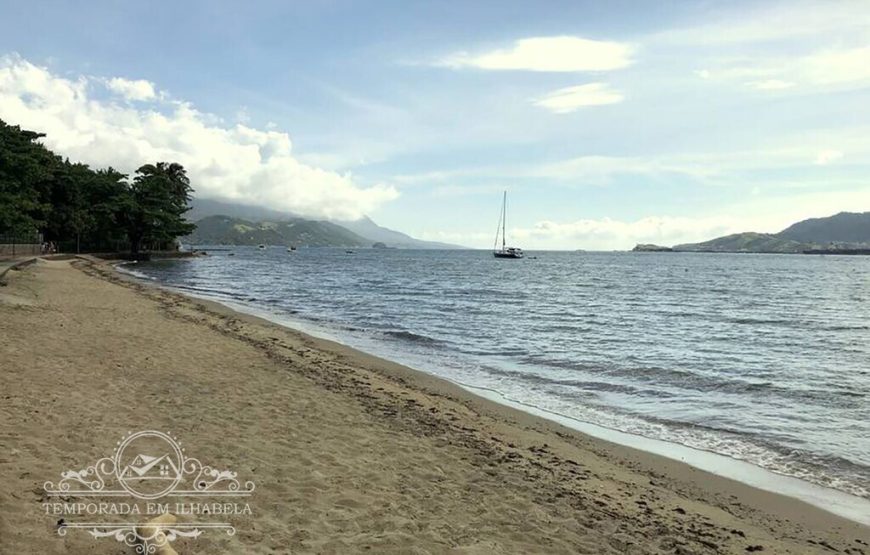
pixel 766 451
pixel 581 385
pixel 845 328
pixel 682 380
pixel 125 267
pixel 412 337
pixel 744 372
pixel 795 323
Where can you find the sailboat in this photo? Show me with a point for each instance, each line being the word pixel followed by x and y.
pixel 505 251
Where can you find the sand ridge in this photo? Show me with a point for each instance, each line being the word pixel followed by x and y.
pixel 350 453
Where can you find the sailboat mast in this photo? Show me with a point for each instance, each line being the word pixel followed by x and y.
pixel 503 219
pixel 497 229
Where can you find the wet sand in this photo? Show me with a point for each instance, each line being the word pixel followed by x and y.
pixel 349 452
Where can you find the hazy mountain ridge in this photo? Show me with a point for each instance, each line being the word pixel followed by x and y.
pixel 225 230
pixel 846 230
pixel 370 230
pixel 364 228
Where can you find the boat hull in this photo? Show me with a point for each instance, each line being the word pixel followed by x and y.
pixel 498 254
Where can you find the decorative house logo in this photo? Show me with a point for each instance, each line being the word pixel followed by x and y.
pixel 144 464
pixel 147 466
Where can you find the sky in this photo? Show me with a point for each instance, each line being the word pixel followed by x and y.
pixel 608 123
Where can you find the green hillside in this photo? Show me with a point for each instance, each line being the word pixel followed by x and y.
pixel 845 230
pixel 224 230
pixel 845 227
pixel 746 242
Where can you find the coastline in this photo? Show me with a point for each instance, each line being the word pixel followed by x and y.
pixel 827 498
pixel 596 496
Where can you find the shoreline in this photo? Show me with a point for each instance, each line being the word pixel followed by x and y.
pixel 828 499
pixel 361 452
pixel 850 506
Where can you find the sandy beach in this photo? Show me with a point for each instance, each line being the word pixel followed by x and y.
pixel 350 453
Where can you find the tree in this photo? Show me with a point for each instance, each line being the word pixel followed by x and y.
pixel 156 205
pixel 72 203
pixel 107 199
pixel 26 177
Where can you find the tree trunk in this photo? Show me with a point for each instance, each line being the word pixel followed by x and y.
pixel 135 243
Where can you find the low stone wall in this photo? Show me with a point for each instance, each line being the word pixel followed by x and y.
pixel 20 249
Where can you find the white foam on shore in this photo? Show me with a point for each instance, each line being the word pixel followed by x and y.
pixel 834 501
pixel 124 268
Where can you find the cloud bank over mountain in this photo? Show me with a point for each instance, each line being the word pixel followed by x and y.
pixel 124 123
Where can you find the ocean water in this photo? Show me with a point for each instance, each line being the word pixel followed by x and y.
pixel 762 358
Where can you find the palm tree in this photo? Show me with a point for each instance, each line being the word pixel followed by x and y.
pixel 176 176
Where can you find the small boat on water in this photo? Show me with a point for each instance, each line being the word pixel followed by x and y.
pixel 291 248
pixel 261 247
pixel 504 251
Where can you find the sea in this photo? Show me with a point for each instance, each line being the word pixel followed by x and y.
pixel 758 358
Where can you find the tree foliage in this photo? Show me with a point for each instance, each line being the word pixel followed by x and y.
pixel 77 206
pixel 159 195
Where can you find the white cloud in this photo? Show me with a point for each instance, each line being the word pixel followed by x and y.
pixel 600 170
pixel 796 152
pixel 762 213
pixel 242 116
pixel 832 66
pixel 608 234
pixel 773 21
pixel 805 46
pixel 799 151
pixel 137 89
pixel 768 213
pixel 566 100
pixel 235 162
pixel 556 54
pixel 826 157
pixel 770 85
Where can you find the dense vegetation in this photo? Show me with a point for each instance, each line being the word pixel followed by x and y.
pixel 845 227
pixel 846 230
pixel 747 242
pixel 224 230
pixel 85 209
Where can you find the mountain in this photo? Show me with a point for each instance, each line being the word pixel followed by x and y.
pixel 370 230
pixel 745 242
pixel 225 230
pixel 846 230
pixel 845 227
pixel 364 227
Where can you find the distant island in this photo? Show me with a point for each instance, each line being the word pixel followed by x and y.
pixel 648 247
pixel 843 233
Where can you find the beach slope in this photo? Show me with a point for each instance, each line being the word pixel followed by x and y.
pixel 349 453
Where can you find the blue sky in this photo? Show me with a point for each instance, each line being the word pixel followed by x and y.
pixel 609 123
